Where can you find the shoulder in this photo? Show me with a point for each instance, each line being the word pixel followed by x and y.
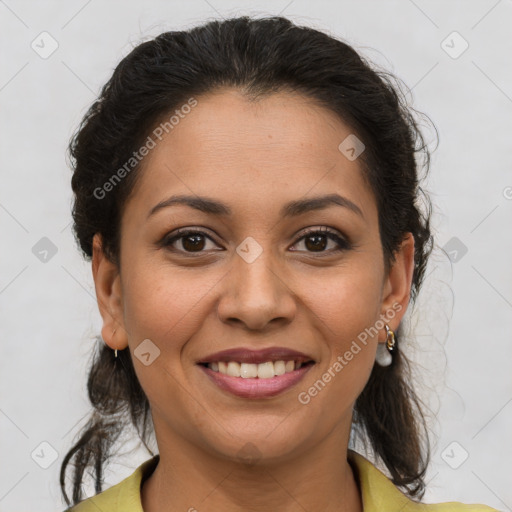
pixel 379 493
pixel 122 497
pixel 106 500
pixel 449 506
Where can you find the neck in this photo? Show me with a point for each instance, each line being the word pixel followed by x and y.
pixel 320 479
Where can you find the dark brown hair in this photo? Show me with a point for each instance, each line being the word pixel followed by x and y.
pixel 258 57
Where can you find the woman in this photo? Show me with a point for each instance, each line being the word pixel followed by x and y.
pixel 248 194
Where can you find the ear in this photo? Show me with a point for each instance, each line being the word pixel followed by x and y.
pixel 107 282
pixel 397 285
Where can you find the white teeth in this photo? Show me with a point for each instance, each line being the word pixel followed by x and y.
pixel 265 370
pixel 233 369
pixel 279 367
pixel 248 371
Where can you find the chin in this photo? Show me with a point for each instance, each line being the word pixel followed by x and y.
pixel 258 446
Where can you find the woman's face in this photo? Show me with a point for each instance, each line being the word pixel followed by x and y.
pixel 252 278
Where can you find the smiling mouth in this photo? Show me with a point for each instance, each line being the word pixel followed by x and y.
pixel 265 370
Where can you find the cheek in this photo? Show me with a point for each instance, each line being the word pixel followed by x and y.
pixel 165 304
pixel 349 300
pixel 346 307
pixel 167 307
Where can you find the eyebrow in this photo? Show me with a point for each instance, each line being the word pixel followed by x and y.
pixel 291 209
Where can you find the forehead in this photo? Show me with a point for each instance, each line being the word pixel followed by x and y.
pixel 254 154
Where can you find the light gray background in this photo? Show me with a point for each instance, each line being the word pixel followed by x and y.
pixel 48 310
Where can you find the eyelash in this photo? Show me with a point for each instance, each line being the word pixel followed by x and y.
pixel 343 244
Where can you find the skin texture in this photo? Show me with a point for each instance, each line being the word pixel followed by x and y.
pixel 255 157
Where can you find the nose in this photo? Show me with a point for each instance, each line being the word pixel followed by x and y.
pixel 256 294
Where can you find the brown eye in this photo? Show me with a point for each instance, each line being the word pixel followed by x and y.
pixel 318 239
pixel 316 242
pixel 191 241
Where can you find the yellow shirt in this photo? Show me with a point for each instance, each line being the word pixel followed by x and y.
pixel 378 493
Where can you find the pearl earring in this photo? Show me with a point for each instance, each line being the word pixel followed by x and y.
pixel 385 350
pixel 115 351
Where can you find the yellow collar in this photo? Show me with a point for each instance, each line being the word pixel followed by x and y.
pixel 378 493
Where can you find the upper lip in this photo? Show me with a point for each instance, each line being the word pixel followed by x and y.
pixel 245 355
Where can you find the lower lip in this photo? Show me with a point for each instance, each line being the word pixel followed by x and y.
pixel 255 387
